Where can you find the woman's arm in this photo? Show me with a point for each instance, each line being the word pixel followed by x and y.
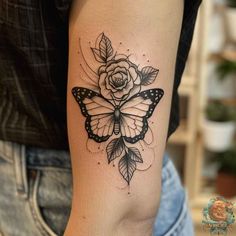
pixel 121 68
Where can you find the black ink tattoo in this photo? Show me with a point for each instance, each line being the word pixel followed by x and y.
pixel 119 108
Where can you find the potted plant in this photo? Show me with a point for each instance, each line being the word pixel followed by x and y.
pixel 219 126
pixel 231 18
pixel 226 71
pixel 226 68
pixel 226 178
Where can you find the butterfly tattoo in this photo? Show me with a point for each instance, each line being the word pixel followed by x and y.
pixel 103 118
pixel 119 109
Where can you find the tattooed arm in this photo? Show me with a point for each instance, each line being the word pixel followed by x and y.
pixel 121 68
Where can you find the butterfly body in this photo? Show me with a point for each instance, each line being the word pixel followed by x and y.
pixel 129 119
pixel 117 121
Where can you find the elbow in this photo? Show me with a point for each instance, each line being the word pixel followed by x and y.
pixel 139 218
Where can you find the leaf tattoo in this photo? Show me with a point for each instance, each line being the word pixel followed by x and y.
pixel 114 149
pixel 104 51
pixel 149 75
pixel 97 55
pixel 105 47
pixel 135 155
pixel 127 167
pixel 119 112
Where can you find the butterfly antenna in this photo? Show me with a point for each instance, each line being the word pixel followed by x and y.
pixel 113 101
pixel 119 103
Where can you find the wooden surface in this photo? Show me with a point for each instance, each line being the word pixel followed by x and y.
pixel 193 88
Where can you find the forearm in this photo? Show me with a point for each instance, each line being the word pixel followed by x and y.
pixel 108 199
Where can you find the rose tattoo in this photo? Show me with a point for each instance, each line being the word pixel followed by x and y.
pixel 119 109
pixel 119 79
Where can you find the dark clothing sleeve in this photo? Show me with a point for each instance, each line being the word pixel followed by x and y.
pixel 33 70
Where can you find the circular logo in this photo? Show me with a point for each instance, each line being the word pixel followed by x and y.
pixel 218 215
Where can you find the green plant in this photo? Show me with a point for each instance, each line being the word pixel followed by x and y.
pixel 217 111
pixel 231 3
pixel 225 68
pixel 227 161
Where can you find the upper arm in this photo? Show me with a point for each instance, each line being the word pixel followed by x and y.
pixel 121 69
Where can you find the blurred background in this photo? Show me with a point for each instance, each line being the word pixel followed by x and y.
pixel 204 146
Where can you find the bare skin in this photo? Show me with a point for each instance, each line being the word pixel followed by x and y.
pixel 111 195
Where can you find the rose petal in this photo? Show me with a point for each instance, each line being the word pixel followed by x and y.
pixel 109 84
pixel 123 63
pixel 102 84
pixel 115 64
pixel 125 91
pixel 122 86
pixel 116 86
pixel 119 69
pixel 101 81
pixel 120 57
pixel 109 73
pixel 125 96
pixel 133 65
pixel 136 89
pixel 106 93
pixel 128 87
pixel 111 67
pixel 129 77
pixel 138 80
pixel 118 94
pixel 133 73
pixel 118 75
pixel 101 69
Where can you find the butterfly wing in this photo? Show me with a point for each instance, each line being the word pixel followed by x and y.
pixel 98 112
pixel 135 113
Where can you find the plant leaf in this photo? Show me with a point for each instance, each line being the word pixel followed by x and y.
pixel 127 167
pixel 96 53
pixel 149 75
pixel 105 47
pixel 114 149
pixel 135 155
